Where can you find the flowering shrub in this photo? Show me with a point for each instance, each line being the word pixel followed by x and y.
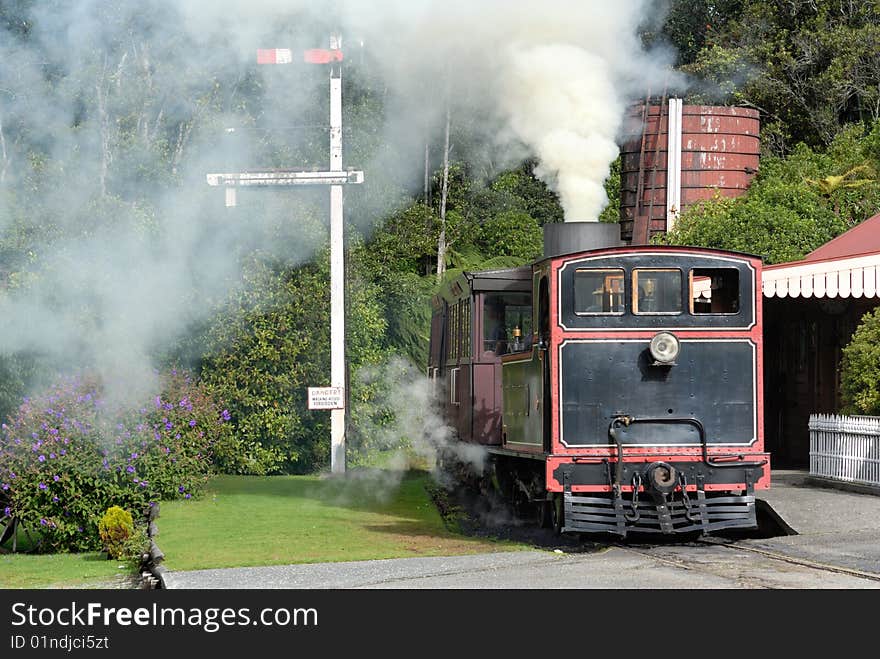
pixel 65 457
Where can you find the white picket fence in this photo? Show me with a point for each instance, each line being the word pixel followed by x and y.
pixel 845 448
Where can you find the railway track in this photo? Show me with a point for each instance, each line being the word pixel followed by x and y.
pixel 753 567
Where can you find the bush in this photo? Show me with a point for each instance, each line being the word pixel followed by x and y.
pixel 860 368
pixel 115 529
pixel 66 456
pixel 512 233
pixel 268 347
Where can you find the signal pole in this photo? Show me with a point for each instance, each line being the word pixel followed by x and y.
pixel 336 178
pixel 337 268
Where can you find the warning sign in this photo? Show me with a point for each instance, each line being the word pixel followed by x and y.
pixel 326 398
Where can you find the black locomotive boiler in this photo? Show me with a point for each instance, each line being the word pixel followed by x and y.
pixel 615 389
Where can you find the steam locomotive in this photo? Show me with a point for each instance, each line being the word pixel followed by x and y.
pixel 615 389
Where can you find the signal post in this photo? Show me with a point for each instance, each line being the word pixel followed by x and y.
pixel 336 178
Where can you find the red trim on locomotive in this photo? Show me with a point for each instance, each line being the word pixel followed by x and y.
pixel 553 462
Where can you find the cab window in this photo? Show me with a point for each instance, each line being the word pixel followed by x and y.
pixel 656 291
pixel 507 322
pixel 714 290
pixel 598 291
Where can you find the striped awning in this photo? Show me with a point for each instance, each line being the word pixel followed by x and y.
pixel 857 276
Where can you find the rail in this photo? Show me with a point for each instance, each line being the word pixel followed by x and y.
pixel 845 448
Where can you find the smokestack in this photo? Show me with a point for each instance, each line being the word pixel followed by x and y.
pixel 569 237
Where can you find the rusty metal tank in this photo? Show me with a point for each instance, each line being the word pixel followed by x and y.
pixel 714 151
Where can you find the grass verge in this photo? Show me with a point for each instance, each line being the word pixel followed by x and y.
pixel 50 571
pixel 245 521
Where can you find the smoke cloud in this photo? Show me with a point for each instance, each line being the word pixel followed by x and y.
pixel 403 423
pixel 130 104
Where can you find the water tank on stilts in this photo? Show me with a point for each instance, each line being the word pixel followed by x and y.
pixel 674 155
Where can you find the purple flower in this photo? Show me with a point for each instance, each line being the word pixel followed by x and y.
pixel 52 456
pixel 56 478
pixel 225 415
pixel 55 499
pixel 43 521
pixel 192 423
pixel 42 458
pixel 181 489
pixel 134 456
pixel 158 401
pixel 7 511
pixel 186 496
pixel 5 486
pixel 129 469
pixel 42 486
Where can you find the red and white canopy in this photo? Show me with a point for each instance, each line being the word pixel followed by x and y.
pixel 847 266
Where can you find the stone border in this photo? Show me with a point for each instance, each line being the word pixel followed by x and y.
pixel 152 570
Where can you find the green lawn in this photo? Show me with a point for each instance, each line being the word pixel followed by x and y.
pixel 91 570
pixel 249 521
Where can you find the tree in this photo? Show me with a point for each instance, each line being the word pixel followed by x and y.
pixel 810 67
pixel 442 241
pixel 860 368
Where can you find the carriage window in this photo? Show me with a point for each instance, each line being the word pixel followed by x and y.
pixel 507 322
pixel 598 291
pixel 714 290
pixel 656 291
pixel 465 327
pixel 452 333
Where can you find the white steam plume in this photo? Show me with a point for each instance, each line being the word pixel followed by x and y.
pixel 562 102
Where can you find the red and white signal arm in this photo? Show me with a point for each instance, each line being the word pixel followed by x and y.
pixel 274 56
pixel 311 56
pixel 326 398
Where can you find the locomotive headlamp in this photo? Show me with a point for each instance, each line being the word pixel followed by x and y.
pixel 664 348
